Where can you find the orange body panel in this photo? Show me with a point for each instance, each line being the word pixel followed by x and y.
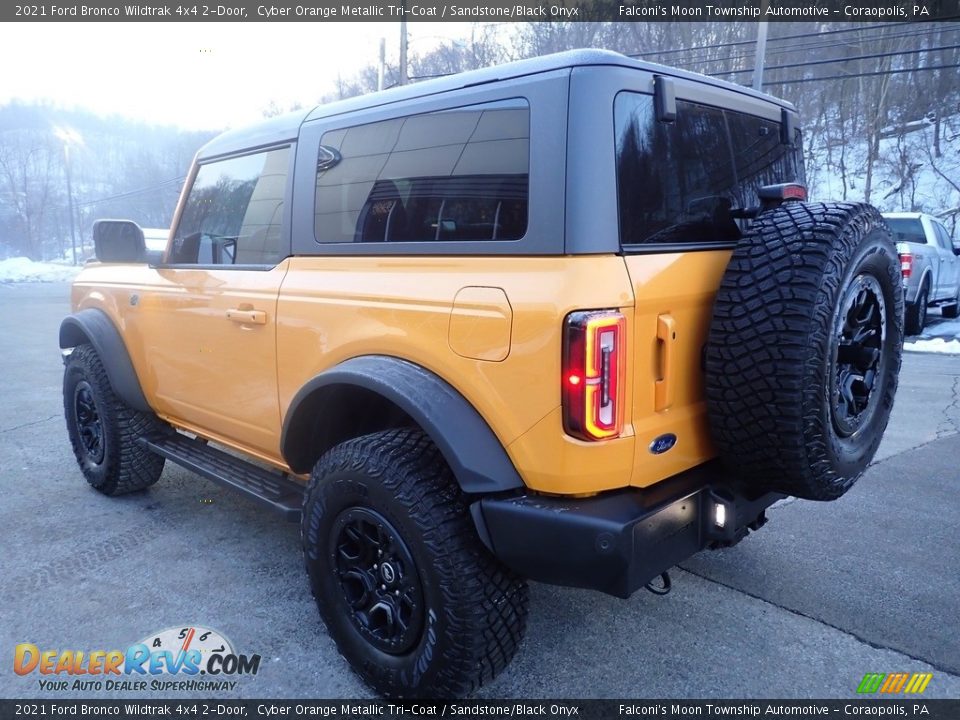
pixel 223 352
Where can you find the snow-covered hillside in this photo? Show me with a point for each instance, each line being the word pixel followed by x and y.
pixel 907 175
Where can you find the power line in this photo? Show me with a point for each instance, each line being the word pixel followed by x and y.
pixel 799 47
pixel 838 60
pixel 777 39
pixel 166 184
pixel 865 74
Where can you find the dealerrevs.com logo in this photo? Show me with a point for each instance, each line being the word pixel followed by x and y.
pixel 184 653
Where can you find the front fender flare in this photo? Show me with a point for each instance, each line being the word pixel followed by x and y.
pixel 474 453
pixel 95 327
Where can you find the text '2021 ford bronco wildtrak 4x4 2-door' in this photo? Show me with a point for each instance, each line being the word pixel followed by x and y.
pixel 569 319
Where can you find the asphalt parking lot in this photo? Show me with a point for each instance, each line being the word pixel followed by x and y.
pixel 803 609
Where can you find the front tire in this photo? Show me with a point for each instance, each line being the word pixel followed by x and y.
pixel 803 355
pixel 104 431
pixel 412 598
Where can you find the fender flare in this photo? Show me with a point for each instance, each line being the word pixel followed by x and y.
pixel 475 455
pixel 95 327
pixel 925 277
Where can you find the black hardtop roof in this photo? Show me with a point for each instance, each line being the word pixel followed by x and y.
pixel 286 127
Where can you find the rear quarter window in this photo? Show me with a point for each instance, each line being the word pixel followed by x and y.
pixel 454 175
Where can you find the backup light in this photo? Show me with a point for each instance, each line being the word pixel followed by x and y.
pixel 719 515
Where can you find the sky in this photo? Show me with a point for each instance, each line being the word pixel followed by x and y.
pixel 196 75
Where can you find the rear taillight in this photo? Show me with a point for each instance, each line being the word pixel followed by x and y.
pixel 906 264
pixel 592 385
pixel 783 191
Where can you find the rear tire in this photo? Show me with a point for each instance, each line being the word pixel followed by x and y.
pixel 803 354
pixel 414 601
pixel 104 431
pixel 916 314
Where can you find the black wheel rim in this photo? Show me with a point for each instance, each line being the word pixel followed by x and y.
pixel 378 580
pixel 858 364
pixel 923 309
pixel 89 423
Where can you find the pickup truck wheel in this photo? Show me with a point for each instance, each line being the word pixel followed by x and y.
pixel 804 349
pixel 104 431
pixel 412 598
pixel 916 315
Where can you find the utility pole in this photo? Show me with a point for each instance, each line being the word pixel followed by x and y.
pixel 403 49
pixel 761 48
pixel 73 227
pixel 383 62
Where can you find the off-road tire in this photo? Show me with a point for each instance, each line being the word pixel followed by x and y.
pixel 117 464
pixel 952 310
pixel 778 374
pixel 916 314
pixel 474 610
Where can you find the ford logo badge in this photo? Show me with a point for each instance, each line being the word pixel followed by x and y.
pixel 663 443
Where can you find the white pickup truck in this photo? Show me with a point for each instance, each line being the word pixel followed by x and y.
pixel 929 264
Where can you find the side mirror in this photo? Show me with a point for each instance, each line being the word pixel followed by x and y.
pixel 119 241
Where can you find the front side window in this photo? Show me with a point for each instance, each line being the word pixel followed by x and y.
pixel 455 175
pixel 233 214
pixel 682 182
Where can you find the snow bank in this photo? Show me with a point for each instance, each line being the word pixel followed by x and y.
pixel 21 269
pixel 940 336
pixel 934 345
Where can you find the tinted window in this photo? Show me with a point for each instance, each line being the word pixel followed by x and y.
pixel 944 237
pixel 234 211
pixel 907 230
pixel 453 175
pixel 679 182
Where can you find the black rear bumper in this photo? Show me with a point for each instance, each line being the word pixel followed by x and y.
pixel 618 541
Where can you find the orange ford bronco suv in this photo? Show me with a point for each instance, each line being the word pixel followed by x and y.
pixel 569 319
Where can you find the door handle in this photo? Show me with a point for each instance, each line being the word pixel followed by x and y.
pixel 247 316
pixel 666 341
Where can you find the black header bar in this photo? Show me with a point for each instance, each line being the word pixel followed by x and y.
pixel 224 709
pixel 484 10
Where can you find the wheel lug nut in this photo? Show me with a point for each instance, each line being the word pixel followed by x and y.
pixel 374 566
pixel 383 587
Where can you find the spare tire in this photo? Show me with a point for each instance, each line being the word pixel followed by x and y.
pixel 804 348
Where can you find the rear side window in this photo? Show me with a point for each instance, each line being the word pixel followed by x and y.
pixel 458 175
pixel 946 242
pixel 681 182
pixel 233 214
pixel 907 230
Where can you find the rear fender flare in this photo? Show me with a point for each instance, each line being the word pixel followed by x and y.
pixel 475 455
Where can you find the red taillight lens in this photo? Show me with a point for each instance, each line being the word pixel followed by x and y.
pixel 906 264
pixel 594 354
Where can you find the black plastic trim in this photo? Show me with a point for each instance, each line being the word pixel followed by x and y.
pixel 470 447
pixel 664 248
pixel 664 99
pixel 95 327
pixel 618 541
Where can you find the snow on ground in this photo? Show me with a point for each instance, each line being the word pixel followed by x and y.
pixel 21 269
pixel 940 336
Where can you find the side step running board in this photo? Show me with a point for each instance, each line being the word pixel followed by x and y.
pixel 270 487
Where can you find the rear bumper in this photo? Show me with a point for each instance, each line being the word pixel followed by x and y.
pixel 619 541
